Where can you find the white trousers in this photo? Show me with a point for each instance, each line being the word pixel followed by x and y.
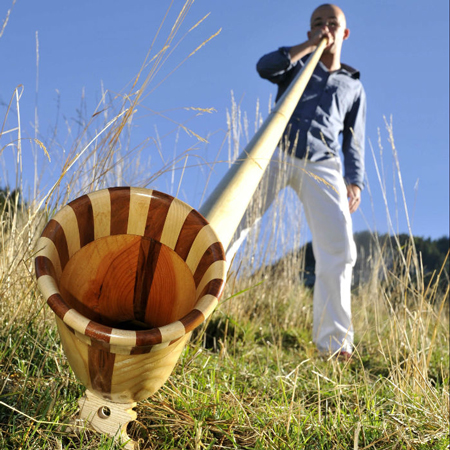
pixel 321 189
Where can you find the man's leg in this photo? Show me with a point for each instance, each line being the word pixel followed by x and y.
pixel 327 213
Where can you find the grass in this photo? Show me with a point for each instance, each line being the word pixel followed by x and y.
pixel 250 378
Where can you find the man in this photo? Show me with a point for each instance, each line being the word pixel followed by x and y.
pixel 333 104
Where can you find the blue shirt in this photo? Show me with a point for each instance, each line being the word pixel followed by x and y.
pixel 333 103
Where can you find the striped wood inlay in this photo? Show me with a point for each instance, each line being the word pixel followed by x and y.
pixel 165 238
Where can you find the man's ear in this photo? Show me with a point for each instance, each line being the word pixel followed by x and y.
pixel 308 34
pixel 346 33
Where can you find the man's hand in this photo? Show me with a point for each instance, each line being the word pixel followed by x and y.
pixel 298 51
pixel 354 197
pixel 316 35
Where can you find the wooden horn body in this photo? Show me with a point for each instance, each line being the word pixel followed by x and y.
pixel 129 274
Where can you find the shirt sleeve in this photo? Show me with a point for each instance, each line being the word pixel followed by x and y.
pixel 275 65
pixel 354 140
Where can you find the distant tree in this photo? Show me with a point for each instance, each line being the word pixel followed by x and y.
pixel 10 203
pixel 431 254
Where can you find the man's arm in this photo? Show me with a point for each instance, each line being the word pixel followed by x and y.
pixel 274 66
pixel 353 150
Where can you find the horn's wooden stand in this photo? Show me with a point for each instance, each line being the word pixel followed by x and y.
pixel 107 417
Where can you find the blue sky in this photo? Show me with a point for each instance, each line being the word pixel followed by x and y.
pixel 401 48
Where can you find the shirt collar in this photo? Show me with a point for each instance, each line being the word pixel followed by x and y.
pixel 345 69
pixel 350 71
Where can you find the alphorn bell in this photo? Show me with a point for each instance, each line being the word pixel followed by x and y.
pixel 130 272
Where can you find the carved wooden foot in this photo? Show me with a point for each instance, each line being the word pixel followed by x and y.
pixel 108 417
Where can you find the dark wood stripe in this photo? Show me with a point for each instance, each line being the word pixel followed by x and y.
pixel 101 368
pixel 98 332
pixel 44 266
pixel 55 233
pixel 58 305
pixel 192 320
pixel 192 225
pixel 148 338
pixel 175 340
pixel 141 350
pixel 213 253
pixel 120 209
pixel 214 287
pixel 157 213
pixel 149 250
pixel 85 217
pixel 100 345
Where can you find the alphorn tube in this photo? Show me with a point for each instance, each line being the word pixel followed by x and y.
pixel 226 205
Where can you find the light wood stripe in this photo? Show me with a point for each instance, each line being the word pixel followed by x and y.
pixel 216 270
pixel 176 217
pixel 47 286
pixel 207 304
pixel 101 208
pixel 159 347
pixel 68 221
pixel 46 247
pixel 139 206
pixel 172 331
pixel 76 321
pixel 122 337
pixel 201 243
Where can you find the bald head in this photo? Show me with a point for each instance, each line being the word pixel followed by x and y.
pixel 328 21
pixel 328 11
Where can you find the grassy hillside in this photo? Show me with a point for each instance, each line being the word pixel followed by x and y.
pixel 250 378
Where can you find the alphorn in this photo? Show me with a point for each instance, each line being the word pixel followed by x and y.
pixel 226 206
pixel 131 272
